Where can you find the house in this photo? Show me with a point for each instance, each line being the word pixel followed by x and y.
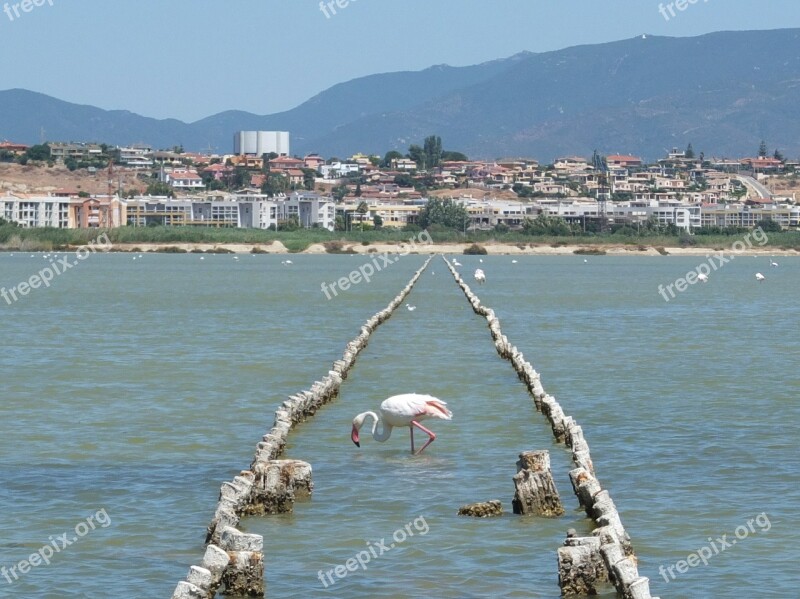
pixel 218 171
pixel 284 163
pixel 16 149
pixel 623 161
pixel 182 179
pixel 403 164
pixel 313 161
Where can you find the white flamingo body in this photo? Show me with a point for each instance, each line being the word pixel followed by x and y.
pixel 702 277
pixel 773 263
pixel 480 276
pixel 408 410
pixel 760 277
pixel 410 307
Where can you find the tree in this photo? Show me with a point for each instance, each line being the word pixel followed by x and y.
pixel 339 192
pixel 762 149
pixel 357 192
pixel 454 156
pixel 309 176
pixel 38 152
pixel 689 151
pixel 362 210
pixel 377 220
pixel 404 180
pixel 768 225
pixel 433 151
pixel 392 155
pixel 70 163
pixel 417 154
pixel 546 225
pixel 778 156
pixel 275 184
pixel 159 188
pixel 445 213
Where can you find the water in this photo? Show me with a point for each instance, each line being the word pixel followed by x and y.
pixel 138 387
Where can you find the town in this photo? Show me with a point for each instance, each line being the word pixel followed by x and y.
pixel 261 185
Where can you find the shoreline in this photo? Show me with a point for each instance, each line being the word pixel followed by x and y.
pixel 492 249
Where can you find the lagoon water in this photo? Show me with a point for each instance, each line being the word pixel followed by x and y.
pixel 139 386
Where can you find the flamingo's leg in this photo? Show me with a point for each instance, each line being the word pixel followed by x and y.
pixel 411 428
pixel 422 428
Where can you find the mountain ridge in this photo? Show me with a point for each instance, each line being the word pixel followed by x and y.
pixel 722 91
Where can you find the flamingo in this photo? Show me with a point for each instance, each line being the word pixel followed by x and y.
pixel 408 410
pixel 456 262
pixel 513 262
pixel 286 262
pixel 702 277
pixel 480 276
pixel 410 307
pixel 772 262
pixel 760 277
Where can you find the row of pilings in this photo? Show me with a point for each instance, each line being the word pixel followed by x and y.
pixel 233 563
pixel 584 563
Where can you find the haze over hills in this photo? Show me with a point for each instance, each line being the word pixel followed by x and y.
pixel 724 92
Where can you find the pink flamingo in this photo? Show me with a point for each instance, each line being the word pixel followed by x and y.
pixel 403 410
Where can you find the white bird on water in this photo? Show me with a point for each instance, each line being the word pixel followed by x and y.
pixel 513 262
pixel 410 307
pixel 408 410
pixel 760 277
pixel 286 262
pixel 702 277
pixel 480 260
pixel 456 262
pixel 480 276
pixel 772 262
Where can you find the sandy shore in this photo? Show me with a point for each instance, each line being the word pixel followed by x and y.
pixel 504 249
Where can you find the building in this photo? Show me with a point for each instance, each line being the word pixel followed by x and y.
pixel 77 151
pixel 258 143
pixel 137 156
pixel 16 149
pixel 180 179
pixel 36 211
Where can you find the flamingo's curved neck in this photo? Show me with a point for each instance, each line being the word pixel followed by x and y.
pixel 386 429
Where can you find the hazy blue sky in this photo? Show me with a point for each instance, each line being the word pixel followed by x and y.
pixel 192 58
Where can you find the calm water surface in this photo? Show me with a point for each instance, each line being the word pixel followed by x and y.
pixel 138 387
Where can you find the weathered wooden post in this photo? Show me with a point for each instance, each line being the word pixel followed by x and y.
pixel 535 489
pixel 581 569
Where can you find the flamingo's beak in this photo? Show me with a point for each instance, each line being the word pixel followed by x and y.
pixel 354 436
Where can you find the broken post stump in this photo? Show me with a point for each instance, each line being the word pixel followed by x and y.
pixel 277 484
pixel 535 490
pixel 581 568
pixel 485 509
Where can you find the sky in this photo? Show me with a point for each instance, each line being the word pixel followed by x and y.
pixel 189 59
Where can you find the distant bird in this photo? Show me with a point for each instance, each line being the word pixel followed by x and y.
pixel 772 262
pixel 456 262
pixel 286 262
pixel 134 257
pixel 513 262
pixel 480 260
pixel 140 255
pixel 702 277
pixel 433 273
pixel 760 277
pixel 202 257
pixel 480 276
pixel 236 257
pixel 408 410
pixel 410 307
pixel 585 261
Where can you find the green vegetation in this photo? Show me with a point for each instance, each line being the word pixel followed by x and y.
pixel 475 250
pixel 13 237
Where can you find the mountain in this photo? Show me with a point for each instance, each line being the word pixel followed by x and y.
pixel 723 92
